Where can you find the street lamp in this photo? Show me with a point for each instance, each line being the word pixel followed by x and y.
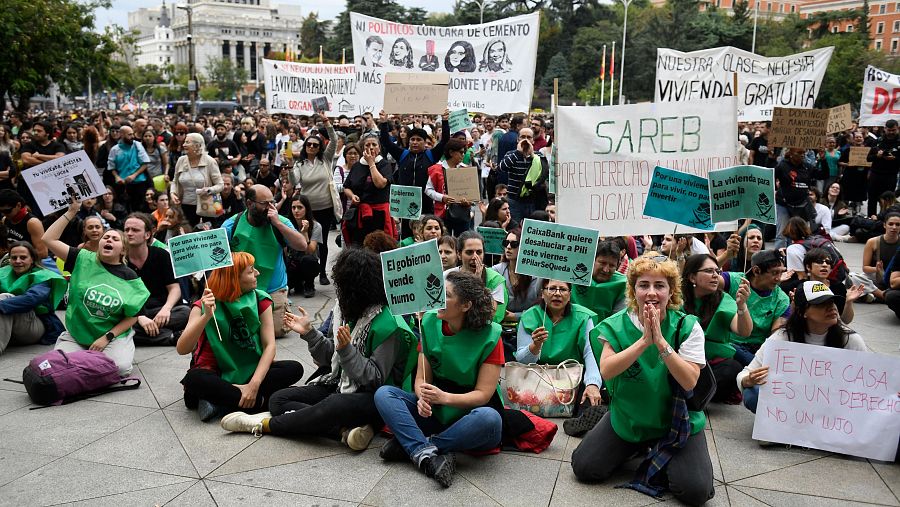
pixel 192 82
pixel 481 5
pixel 626 3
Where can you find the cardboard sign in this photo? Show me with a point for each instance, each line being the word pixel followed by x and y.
pixel 493 239
pixel 839 119
pixel 413 278
pixel 744 191
pixel 406 202
pixel 679 198
pixel 320 104
pixel 858 155
pixel 831 399
pixel 424 93
pixel 464 183
pixel 556 251
pixel 798 128
pixel 54 182
pixel 459 120
pixel 200 251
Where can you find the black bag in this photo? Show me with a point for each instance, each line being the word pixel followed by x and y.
pixel 350 215
pixel 703 392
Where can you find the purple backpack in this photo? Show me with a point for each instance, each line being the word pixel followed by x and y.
pixel 58 377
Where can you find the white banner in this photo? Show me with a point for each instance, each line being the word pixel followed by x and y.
pixel 491 66
pixel 762 83
pixel 880 94
pixel 607 154
pixel 53 182
pixel 292 86
pixel 831 399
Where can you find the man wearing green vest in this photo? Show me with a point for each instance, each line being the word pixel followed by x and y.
pixel 262 232
pixel 606 294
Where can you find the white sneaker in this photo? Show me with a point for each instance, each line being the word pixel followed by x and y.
pixel 245 423
pixel 359 438
pixel 840 238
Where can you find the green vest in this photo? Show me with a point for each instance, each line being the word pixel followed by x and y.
pixel 384 326
pixel 159 244
pixel 98 299
pixel 601 297
pixel 260 242
pixel 406 241
pixel 763 310
pixel 17 286
pixel 491 280
pixel 456 359
pixel 566 339
pixel 239 349
pixel 718 331
pixel 641 397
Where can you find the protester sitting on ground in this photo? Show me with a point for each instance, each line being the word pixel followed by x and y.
pixel 20 223
pixel 455 405
pixel 447 251
pixel 371 348
pixel 822 221
pixel 841 215
pixel 647 382
pixel 378 241
pixel 892 294
pixel 113 212
pixel 606 293
pixel 105 295
pixel 719 315
pixel 817 263
pixel 815 320
pixel 231 338
pixel 523 290
pixel 679 247
pixel 796 232
pixel 470 250
pixel 162 206
pixel 751 241
pixel 29 294
pixel 498 211
pixel 303 265
pixel 877 254
pixel 92 229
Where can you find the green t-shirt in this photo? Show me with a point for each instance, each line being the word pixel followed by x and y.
pixel 763 310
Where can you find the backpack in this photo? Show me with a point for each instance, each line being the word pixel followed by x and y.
pixel 839 268
pixel 428 155
pixel 57 377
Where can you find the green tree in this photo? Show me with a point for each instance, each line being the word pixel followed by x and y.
pixel 223 74
pixel 558 68
pixel 587 52
pixel 863 28
pixel 313 33
pixel 343 38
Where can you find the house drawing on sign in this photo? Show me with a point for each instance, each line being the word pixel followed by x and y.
pixel 344 106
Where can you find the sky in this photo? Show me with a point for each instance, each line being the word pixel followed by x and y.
pixel 327 9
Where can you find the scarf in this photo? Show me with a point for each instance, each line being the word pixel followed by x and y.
pixel 358 337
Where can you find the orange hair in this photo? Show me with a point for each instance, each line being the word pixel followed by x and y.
pixel 226 282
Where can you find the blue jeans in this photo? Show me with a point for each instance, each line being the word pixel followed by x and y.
pixel 744 354
pixel 520 210
pixel 781 219
pixel 479 430
pixel 751 396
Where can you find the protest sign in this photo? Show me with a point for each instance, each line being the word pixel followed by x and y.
pixel 493 239
pixel 557 251
pixel 606 157
pixel 798 128
pixel 491 64
pixel 415 93
pixel 459 120
pixel 858 156
pixel 291 87
pixel 743 191
pixel 200 251
pixel 679 198
pixel 880 94
pixel 406 202
pixel 413 278
pixel 54 182
pixel 839 119
pixel 762 82
pixel 463 183
pixel 830 399
pixel 320 104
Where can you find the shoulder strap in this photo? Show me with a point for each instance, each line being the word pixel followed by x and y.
pixel 122 385
pixel 678 333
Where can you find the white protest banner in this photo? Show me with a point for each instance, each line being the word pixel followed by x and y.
pixel 606 156
pixel 880 94
pixel 53 183
pixel 415 93
pixel 831 399
pixel 491 65
pixel 291 87
pixel 762 83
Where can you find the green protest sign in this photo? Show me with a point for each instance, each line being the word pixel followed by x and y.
pixel 493 239
pixel 459 120
pixel 413 278
pixel 744 191
pixel 679 198
pixel 406 202
pixel 200 251
pixel 557 251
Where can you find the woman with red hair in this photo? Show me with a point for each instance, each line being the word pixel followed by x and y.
pixel 232 337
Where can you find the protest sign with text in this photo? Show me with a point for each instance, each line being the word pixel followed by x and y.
pixel 200 251
pixel 413 278
pixel 463 183
pixel 607 154
pixel 459 120
pixel 679 198
pixel 406 202
pixel 415 93
pixel 830 399
pixel 880 97
pixel 557 251
pixel 493 239
pixel 54 182
pixel 798 128
pixel 491 64
pixel 762 82
pixel 839 119
pixel 859 156
pixel 294 87
pixel 744 191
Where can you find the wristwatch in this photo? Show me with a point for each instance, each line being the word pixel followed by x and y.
pixel 110 336
pixel 666 352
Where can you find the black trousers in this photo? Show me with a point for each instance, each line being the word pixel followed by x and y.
pixel 200 383
pixel 320 410
pixel 302 271
pixel 325 217
pixel 878 184
pixel 167 335
pixel 725 372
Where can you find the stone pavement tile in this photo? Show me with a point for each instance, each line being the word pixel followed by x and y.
pixel 147 444
pixel 838 477
pixel 794 500
pixel 144 354
pixel 206 444
pixel 140 397
pixel 169 359
pixel 890 474
pixel 714 456
pixel 738 498
pixel 69 480
pixel 195 496
pixel 347 477
pixel 15 464
pixel 164 382
pixel 13 400
pixel 149 496
pixel 729 418
pixel 270 451
pixel 12 362
pixel 742 457
pixel 511 479
pixel 405 486
pixel 57 431
pixel 720 499
pixel 569 491
pixel 557 449
pixel 226 494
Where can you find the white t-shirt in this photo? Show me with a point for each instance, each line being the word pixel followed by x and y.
pixel 691 349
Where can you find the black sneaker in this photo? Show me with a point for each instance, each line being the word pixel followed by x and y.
pixel 589 418
pixel 440 467
pixel 209 411
pixel 323 280
pixel 309 292
pixel 393 451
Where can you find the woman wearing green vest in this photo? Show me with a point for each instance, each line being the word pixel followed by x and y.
pixel 606 293
pixel 647 381
pixel 29 293
pixel 371 347
pixel 719 315
pixel 470 250
pixel 455 405
pixel 105 295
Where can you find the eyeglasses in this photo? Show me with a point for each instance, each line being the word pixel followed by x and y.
pixel 556 290
pixel 710 271
pixel 264 203
pixel 510 244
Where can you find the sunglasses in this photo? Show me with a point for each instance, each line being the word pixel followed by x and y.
pixel 510 244
pixel 312 145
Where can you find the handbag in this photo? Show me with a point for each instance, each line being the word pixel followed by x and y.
pixel 546 390
pixel 703 392
pixel 209 205
pixel 336 205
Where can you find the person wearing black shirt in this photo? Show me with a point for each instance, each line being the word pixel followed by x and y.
pixel 794 178
pixel 224 150
pixel 41 149
pixel 760 153
pixel 885 159
pixel 252 149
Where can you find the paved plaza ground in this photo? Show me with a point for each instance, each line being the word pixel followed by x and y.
pixel 143 447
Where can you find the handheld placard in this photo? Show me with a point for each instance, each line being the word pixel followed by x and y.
pixel 216 322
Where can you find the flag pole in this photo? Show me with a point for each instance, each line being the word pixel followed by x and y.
pixel 612 73
pixel 603 75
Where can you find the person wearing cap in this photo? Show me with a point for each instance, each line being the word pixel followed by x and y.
pixel 817 265
pixel 768 304
pixel 814 321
